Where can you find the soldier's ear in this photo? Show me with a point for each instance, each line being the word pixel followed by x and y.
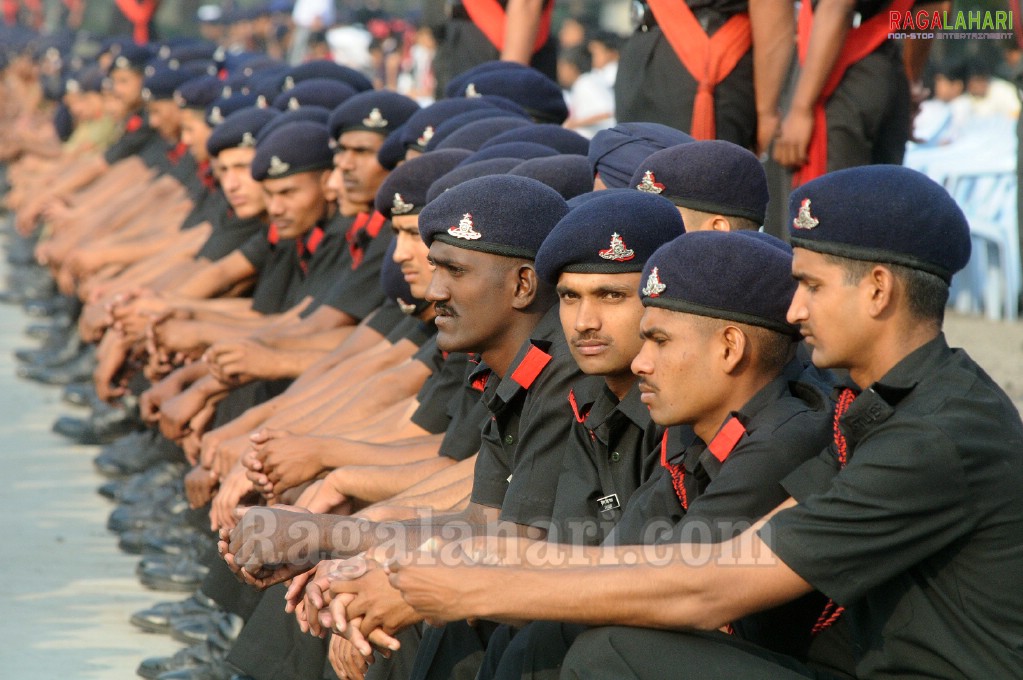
pixel 880 284
pixel 733 345
pixel 527 285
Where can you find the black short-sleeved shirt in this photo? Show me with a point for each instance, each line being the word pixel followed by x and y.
pixel 356 289
pixel 465 412
pixel 257 248
pixel 139 140
pixel 919 536
pixel 783 425
pixel 293 272
pixel 531 428
pixel 387 318
pixel 443 389
pixel 620 443
pixel 231 233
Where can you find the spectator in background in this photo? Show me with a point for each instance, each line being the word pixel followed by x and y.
pixel 591 102
pixel 988 95
pixel 942 117
pixel 308 16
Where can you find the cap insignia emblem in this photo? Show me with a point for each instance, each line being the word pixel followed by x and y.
pixel 653 287
pixel 618 250
pixel 470 91
pixel 804 220
pixel 374 120
pixel 216 117
pixel 294 104
pixel 650 183
pixel 180 100
pixel 289 83
pixel 399 206
pixel 427 135
pixel 122 62
pixel 405 307
pixel 465 229
pixel 277 167
pixel 147 94
pixel 248 141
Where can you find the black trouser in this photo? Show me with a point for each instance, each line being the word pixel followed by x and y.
pixel 625 653
pixel 657 88
pixel 464 46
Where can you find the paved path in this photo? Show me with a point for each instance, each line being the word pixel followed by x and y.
pixel 66 591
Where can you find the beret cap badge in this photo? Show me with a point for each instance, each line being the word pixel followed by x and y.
pixel 427 135
pixel 804 220
pixel 277 167
pixel 618 252
pixel 650 184
pixel 216 117
pixel 470 91
pixel 375 120
pixel 465 229
pixel 248 141
pixel 653 287
pixel 400 207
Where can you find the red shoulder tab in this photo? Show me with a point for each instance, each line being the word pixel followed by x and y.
pixel 726 439
pixel 579 417
pixel 480 382
pixel 530 366
pixel 134 123
pixel 375 223
pixel 272 235
pixel 314 240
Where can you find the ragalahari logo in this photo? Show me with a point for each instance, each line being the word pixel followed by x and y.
pixel 945 25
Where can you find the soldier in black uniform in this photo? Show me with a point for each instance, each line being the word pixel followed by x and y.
pixel 909 520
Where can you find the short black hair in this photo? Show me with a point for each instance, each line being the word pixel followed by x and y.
pixel 927 294
pixel 771 350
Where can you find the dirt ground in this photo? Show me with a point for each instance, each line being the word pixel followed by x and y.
pixel 995 345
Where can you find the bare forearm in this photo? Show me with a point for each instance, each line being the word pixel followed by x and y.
pixel 831 23
pixel 376 483
pixel 773 28
pixel 521 27
pixel 343 452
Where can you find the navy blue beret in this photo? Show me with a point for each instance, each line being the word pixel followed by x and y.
pixel 456 123
pixel 711 176
pixel 314 114
pixel 395 287
pixel 617 152
pixel 521 150
pixel 614 233
pixel 456 86
pixel 540 96
pixel 187 51
pixel 379 111
pixel 248 63
pixel 87 79
pixel 162 83
pixel 881 213
pixel 199 93
pixel 240 129
pixel 291 149
pixel 463 173
pixel 134 57
pixel 486 214
pixel 723 275
pixel 404 191
pixel 568 174
pixel 583 199
pixel 324 68
pixel 554 136
pixel 392 152
pixel 474 135
pixel 222 107
pixel 505 104
pixel 420 127
pixel 316 92
pixel 267 86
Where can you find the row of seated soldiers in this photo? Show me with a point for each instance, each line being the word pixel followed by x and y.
pixel 450 391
